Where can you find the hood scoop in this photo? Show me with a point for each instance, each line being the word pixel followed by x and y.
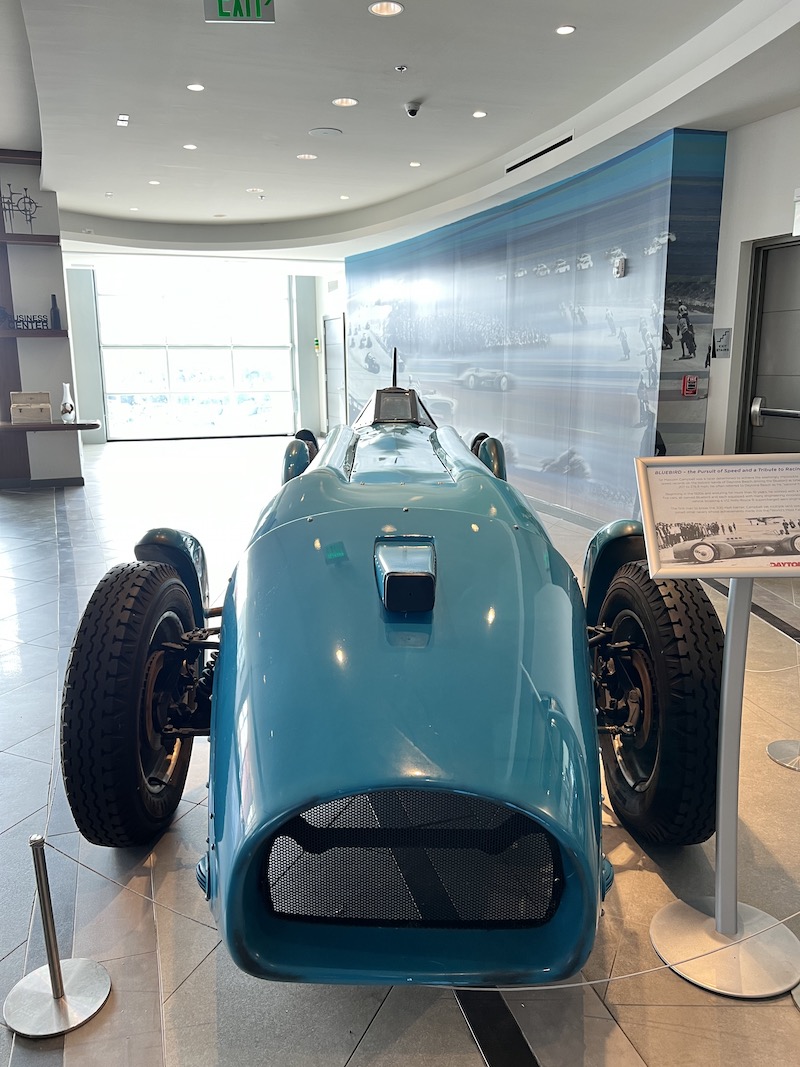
pixel 405 569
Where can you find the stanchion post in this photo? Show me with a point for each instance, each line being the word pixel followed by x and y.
pixel 46 908
pixel 76 989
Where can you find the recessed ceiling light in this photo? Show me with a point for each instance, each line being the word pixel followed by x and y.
pixel 195 87
pixel 479 114
pixel 344 101
pixel 306 155
pixel 343 197
pixel 220 216
pixel 385 8
pixel 401 68
pixel 565 30
pixel 154 182
pixel 324 131
pixel 254 189
pixel 190 147
pixel 134 209
pixel 415 164
pixel 123 120
pixel 109 195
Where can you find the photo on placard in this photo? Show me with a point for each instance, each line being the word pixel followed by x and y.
pixel 736 516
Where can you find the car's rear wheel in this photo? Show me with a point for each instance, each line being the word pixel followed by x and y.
pixel 123 777
pixel 476 442
pixel 794 543
pixel 472 381
pixel 703 552
pixel 666 642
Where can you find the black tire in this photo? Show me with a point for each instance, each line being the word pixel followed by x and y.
pixel 794 543
pixel 477 440
pixel 662 782
pixel 123 779
pixel 310 440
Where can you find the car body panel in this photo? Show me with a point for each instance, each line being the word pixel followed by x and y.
pixel 183 552
pixel 322 695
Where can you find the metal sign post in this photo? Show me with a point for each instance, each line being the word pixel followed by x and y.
pixel 66 993
pixel 704 503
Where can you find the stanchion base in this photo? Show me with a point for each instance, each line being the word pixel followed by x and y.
pixel 763 966
pixel 787 753
pixel 31 1010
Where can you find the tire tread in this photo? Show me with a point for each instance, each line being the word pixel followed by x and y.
pixel 98 767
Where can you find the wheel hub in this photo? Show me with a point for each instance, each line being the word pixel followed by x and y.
pixel 157 753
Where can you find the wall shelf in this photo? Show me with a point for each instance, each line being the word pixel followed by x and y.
pixel 48 427
pixel 32 334
pixel 51 239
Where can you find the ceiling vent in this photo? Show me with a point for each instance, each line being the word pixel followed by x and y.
pixel 542 152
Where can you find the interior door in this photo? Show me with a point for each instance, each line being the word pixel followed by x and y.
pixel 335 375
pixel 771 422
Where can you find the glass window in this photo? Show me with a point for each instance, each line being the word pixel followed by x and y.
pixel 262 368
pixel 133 370
pixel 200 369
pixel 194 346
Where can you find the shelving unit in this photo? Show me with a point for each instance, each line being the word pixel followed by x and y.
pixel 30 270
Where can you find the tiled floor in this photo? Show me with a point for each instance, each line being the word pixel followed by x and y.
pixel 177 999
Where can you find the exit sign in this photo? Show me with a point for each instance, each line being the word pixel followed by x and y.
pixel 239 10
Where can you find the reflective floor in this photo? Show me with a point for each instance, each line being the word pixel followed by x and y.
pixel 176 998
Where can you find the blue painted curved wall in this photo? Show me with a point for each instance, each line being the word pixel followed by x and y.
pixel 509 321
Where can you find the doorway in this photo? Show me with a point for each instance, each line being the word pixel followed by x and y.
pixel 770 415
pixel 335 372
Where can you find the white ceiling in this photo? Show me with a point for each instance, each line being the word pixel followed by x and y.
pixel 631 69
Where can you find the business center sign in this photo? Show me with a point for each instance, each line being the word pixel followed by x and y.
pixel 239 10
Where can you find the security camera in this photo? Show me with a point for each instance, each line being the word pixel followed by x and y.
pixel 412 108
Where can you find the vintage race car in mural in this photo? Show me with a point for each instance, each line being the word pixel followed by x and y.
pixel 404 697
pixel 781 542
pixel 481 378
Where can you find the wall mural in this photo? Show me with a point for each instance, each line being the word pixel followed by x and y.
pixel 548 321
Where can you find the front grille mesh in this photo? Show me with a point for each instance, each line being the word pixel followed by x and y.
pixel 412 857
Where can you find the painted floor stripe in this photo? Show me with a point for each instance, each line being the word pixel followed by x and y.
pixel 496 1032
pixel 763 613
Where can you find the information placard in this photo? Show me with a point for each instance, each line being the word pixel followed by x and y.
pixel 721 516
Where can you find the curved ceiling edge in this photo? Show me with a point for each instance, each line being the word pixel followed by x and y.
pixel 666 95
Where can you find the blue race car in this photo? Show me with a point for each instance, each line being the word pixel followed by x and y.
pixel 404 700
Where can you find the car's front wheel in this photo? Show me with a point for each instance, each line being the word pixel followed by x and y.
pixel 663 656
pixel 123 776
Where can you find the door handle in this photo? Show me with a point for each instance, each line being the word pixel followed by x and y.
pixel 758 411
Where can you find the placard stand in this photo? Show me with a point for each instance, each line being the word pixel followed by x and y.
pixel 762 966
pixel 787 753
